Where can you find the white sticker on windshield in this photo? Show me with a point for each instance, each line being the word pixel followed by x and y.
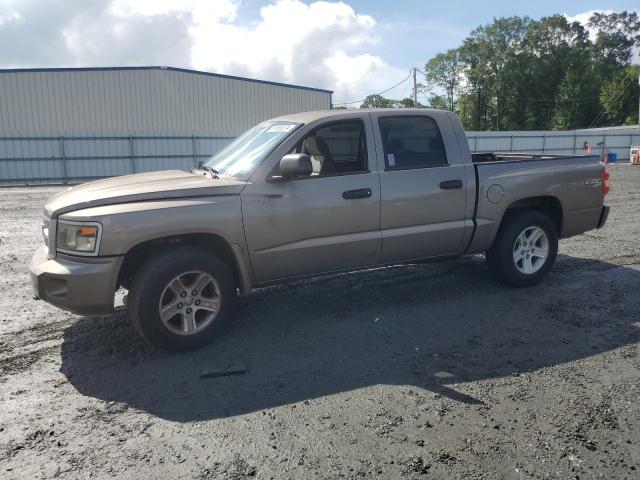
pixel 280 128
pixel 391 160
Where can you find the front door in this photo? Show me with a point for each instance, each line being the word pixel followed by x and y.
pixel 324 222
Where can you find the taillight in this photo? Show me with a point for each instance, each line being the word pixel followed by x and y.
pixel 605 181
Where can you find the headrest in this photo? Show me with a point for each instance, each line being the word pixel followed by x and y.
pixel 316 146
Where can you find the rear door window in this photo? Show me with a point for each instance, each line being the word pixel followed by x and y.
pixel 411 142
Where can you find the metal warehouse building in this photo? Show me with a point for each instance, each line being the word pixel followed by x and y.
pixel 75 124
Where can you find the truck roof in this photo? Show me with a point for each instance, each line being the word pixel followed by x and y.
pixel 307 117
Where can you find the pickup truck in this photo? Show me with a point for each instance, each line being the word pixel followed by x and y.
pixel 302 195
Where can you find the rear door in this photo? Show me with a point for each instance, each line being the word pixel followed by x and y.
pixel 425 209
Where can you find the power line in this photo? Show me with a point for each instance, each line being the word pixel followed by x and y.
pixel 404 91
pixel 526 99
pixel 384 91
pixel 600 115
pixel 415 87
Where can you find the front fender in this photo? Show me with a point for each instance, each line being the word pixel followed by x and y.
pixel 127 225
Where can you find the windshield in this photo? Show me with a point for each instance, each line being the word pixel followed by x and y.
pixel 247 151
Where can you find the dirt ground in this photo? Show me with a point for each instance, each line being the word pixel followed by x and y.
pixel 424 371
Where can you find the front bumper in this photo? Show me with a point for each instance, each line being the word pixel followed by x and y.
pixel 604 214
pixel 85 286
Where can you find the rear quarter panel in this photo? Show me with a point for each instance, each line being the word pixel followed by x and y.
pixel 574 181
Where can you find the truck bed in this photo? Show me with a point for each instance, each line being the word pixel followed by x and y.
pixel 570 184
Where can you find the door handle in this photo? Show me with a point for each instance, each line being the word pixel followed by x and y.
pixel 451 184
pixel 358 193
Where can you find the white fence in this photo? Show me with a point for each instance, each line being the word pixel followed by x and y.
pixel 37 160
pixel 613 140
pixel 31 160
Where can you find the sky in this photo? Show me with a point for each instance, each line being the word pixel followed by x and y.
pixel 353 47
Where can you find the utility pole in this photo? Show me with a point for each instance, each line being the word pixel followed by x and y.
pixel 415 91
pixel 638 102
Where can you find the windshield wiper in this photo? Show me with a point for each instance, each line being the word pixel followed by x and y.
pixel 205 168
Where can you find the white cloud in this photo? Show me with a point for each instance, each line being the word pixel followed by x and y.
pixel 323 44
pixel 583 18
pixel 201 9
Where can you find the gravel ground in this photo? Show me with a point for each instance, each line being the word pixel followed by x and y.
pixel 424 371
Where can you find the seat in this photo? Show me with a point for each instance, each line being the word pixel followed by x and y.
pixel 321 160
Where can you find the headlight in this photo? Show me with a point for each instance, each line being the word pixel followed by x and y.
pixel 78 238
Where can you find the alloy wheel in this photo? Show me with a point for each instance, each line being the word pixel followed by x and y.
pixel 189 302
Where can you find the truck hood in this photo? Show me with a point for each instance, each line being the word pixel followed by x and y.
pixel 138 187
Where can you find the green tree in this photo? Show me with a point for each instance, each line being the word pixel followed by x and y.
pixel 574 103
pixel 439 101
pixel 516 73
pixel 444 71
pixel 617 34
pixel 489 55
pixel 466 109
pixel 376 101
pixel 560 77
pixel 406 103
pixel 619 97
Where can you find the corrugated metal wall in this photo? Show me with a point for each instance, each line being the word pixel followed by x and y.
pixel 142 101
pixel 76 124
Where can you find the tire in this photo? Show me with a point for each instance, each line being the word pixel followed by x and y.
pixel 168 281
pixel 523 266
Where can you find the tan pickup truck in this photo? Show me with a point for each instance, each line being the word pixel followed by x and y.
pixel 303 195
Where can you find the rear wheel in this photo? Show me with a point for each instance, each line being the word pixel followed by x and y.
pixel 182 298
pixel 525 249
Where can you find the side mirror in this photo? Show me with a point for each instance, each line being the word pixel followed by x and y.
pixel 296 165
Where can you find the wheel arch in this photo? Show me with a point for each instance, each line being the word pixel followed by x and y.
pixel 209 242
pixel 547 204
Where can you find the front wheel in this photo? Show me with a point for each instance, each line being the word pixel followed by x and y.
pixel 181 298
pixel 525 249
